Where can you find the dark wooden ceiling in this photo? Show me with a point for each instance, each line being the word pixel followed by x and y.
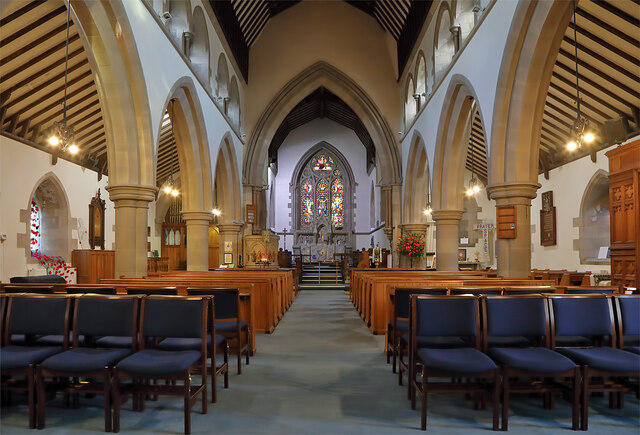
pixel 322 104
pixel 477 150
pixel 32 66
pixel 608 34
pixel 167 152
pixel 242 21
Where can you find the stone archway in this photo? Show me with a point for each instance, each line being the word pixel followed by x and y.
pixel 111 49
pixel 417 182
pixel 318 75
pixel 452 141
pixel 195 168
pixel 535 35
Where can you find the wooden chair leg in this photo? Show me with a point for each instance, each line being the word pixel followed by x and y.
pixel 42 399
pixel 584 424
pixel 226 362
pixel 248 347
pixel 575 402
pixel 423 407
pixel 107 400
pixel 496 399
pixel 505 399
pixel 115 394
pixel 187 404
pixel 214 391
pixel 239 353
pixel 31 400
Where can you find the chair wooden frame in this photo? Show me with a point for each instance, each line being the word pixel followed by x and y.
pixel 618 384
pixel 151 290
pixel 237 335
pixel 509 387
pixel 70 386
pixel 187 391
pixel 447 387
pixel 30 371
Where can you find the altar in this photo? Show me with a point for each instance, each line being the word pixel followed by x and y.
pixel 322 245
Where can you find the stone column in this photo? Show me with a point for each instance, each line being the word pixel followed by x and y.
pixel 447 223
pixel 131 203
pixel 420 230
pixel 230 233
pixel 514 255
pixel 197 239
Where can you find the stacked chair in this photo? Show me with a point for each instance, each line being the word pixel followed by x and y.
pixel 160 342
pixel 510 344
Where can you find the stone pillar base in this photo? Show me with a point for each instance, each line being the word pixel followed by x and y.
pixel 230 240
pixel 197 239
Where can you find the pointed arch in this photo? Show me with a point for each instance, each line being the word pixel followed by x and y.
pixel 318 75
pixel 191 143
pixel 55 224
pixel 595 224
pixel 222 77
pixel 199 53
pixel 233 107
pixel 227 182
pixel 452 141
pixel 417 182
pixel 421 75
pixel 444 47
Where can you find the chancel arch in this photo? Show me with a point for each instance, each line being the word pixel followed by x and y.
pixel 320 75
pixel 323 195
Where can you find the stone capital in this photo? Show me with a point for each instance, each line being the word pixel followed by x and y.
pixel 132 195
pixel 229 228
pixel 446 215
pixel 195 216
pixel 513 193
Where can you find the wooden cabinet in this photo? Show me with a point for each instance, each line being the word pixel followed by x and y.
pixel 93 265
pixel 624 180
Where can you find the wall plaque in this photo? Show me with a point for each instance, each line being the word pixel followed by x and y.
pixel 547 220
pixel 506 221
pixel 251 214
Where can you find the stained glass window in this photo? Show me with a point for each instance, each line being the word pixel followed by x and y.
pixel 337 203
pixel 323 163
pixel 35 235
pixel 307 203
pixel 322 197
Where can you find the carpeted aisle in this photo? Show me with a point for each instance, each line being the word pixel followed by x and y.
pixel 322 371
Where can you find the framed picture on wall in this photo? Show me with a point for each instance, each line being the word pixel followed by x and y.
pixel 462 254
pixel 228 258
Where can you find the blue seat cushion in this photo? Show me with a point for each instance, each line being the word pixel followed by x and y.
pixel 604 358
pixel 437 342
pixel 154 362
pixel 17 357
pixel 573 341
pixel 534 359
pixel 514 341
pixel 84 359
pixel 114 341
pixel 465 360
pixel 229 325
pixel 187 343
pixel 634 349
pixel 403 325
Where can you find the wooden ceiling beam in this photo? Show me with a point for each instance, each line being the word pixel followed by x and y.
pixel 582 103
pixel 20 12
pixel 70 95
pixel 617 12
pixel 33 25
pixel 33 44
pixel 606 26
pixel 609 47
pixel 51 52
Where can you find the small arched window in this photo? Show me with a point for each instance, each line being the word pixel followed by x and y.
pixel 199 52
pixel 595 221
pixel 445 46
pixel 35 236
pixel 410 103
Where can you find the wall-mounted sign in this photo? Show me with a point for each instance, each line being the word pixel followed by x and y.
pixel 228 246
pixel 251 214
pixel 506 219
pixel 547 220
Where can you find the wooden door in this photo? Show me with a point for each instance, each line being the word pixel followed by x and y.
pixel 174 245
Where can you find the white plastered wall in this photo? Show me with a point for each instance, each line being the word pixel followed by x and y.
pixel 345 141
pixel 21 168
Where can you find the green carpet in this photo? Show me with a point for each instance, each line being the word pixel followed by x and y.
pixel 322 371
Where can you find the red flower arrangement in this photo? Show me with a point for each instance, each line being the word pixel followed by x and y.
pixel 411 245
pixel 54 265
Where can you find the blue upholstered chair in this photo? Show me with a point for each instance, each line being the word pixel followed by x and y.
pixel 628 315
pixel 161 317
pixel 94 315
pixel 449 316
pixel 31 315
pixel 527 316
pixel 592 316
pixel 228 323
pixel 399 325
pixel 220 343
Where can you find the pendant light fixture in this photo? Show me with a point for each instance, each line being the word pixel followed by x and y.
pixel 474 183
pixel 580 132
pixel 170 185
pixel 427 211
pixel 63 134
